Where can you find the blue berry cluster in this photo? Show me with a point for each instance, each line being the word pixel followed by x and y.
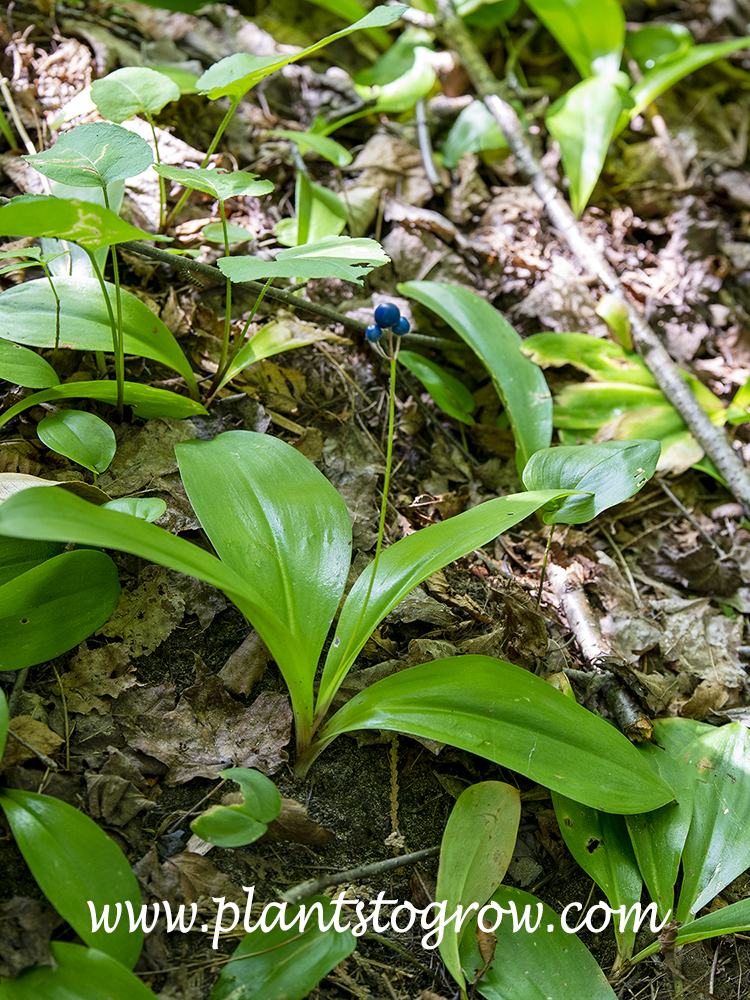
pixel 387 316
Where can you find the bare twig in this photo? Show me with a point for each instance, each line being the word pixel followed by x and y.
pixel 306 889
pixel 47 761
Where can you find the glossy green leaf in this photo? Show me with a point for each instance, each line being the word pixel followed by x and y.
pixel 219 184
pixel 289 537
pixel 321 214
pixel 600 358
pixel 332 257
pixel 449 394
pixel 78 972
pixel 80 436
pixel 4 719
pixel 93 155
pixel 611 472
pixel 28 311
pixel 506 714
pixel 80 221
pixel 74 862
pixel 717 848
pixel 241 823
pixel 21 366
pixel 658 837
pixel 654 44
pixel 53 606
pixel 273 338
pixel 285 964
pixel 405 564
pixel 474 131
pixel 588 405
pixel 583 122
pixel 614 312
pixel 17 555
pixel 590 32
pixel 600 844
pixel 657 422
pixel 402 76
pixel 487 13
pixel 665 75
pixel 147 508
pixel 476 850
pixel 146 401
pixel 675 734
pixel 133 90
pixel 324 146
pixel 732 919
pixel 519 383
pixel 235 75
pixel 546 964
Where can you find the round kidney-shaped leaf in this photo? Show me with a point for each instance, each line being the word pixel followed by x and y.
pixel 133 90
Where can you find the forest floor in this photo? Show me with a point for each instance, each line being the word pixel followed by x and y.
pixel 152 701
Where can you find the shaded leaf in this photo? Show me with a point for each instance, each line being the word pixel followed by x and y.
pixel 147 508
pixel 80 436
pixel 240 824
pixel 474 131
pixel 21 366
pixel 133 90
pixel 449 394
pixel 3 721
pixel 590 32
pixel 332 257
pixel 78 972
pixel 218 183
pixel 324 146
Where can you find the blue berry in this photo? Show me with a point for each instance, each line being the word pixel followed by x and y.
pixel 387 314
pixel 373 333
pixel 403 326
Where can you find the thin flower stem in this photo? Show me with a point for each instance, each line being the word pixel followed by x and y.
pixel 113 325
pixel 544 568
pixel 162 186
pixel 221 372
pixel 228 315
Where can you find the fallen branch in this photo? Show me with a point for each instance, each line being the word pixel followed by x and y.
pixel 712 439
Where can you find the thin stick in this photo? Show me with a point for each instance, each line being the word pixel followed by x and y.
pixel 305 889
pixel 47 761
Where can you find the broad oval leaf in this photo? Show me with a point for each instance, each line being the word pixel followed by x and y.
pixel 600 844
pixel 598 357
pixel 80 436
pixel 20 366
pixel 74 862
pixel 332 257
pixel 404 565
pixel 583 122
pixel 320 214
pixel 474 131
pixel 475 852
pixel 505 714
pixel 82 222
pixel 590 32
pixel 235 75
pixel 611 472
pixel 219 184
pixel 54 605
pixel 77 972
pixel 288 536
pixel 93 155
pixel 588 405
pixel 519 383
pixel 146 508
pixel 403 75
pixel 449 394
pixel 3 722
pixel 133 90
pixel 323 145
pixel 654 44
pixel 28 313
pixel 534 966
pixel 242 823
pixel 146 401
pixel 268 965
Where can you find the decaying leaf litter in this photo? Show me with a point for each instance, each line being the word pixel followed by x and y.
pixel 173 689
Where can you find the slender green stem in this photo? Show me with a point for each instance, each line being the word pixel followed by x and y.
pixel 220 374
pixel 57 309
pixel 228 313
pixel 544 568
pixel 120 343
pixel 112 321
pixel 162 186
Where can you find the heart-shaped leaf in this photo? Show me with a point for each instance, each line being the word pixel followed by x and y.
pixel 219 184
pixel 20 366
pixel 82 437
pixel 610 472
pixel 133 90
pixel 93 155
pixel 332 257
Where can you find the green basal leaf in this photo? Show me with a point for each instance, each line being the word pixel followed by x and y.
pixel 147 508
pixel 28 314
pixel 600 844
pixel 601 359
pixel 214 232
pixel 717 849
pixel 74 862
pixel 54 605
pixel 402 76
pixel 235 75
pixel 449 394
pixel 240 824
pixel 77 972
pixel 505 714
pixel 80 221
pixel 583 122
pixel 19 366
pixel 588 405
pixel 146 401
pixel 610 472
pixel 269 965
pixel 590 32
pixel 288 536
pixel 658 837
pixel 487 13
pixel 665 75
pixel 320 214
pixel 17 555
pixel 332 257
pixel 134 90
pixel 476 850
pixel 4 719
pixel 328 148
pixel 474 131
pixel 93 155
pixel 732 919
pixel 615 314
pixel 404 565
pixel 653 45
pixel 82 437
pixel 273 338
pixel 533 966
pixel 657 422
pixel 519 383
pixel 218 183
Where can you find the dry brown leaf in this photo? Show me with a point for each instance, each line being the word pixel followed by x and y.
pixel 96 674
pixel 295 825
pixel 33 732
pixel 246 665
pixel 26 928
pixel 148 611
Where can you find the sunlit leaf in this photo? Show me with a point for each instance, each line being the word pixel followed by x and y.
pixel 654 44
pixel 92 155
pixel 321 214
pixel 147 508
pixel 20 366
pixel 590 32
pixel 332 257
pixel 600 358
pixel 218 183
pixel 402 76
pixel 80 221
pixel 328 148
pixel 80 436
pixel 133 90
